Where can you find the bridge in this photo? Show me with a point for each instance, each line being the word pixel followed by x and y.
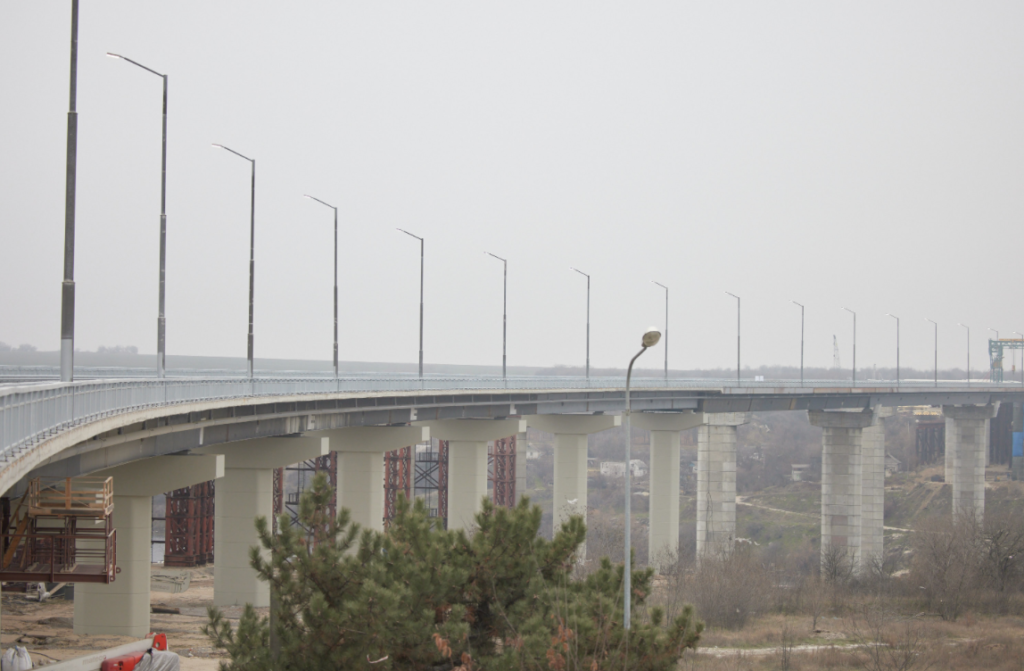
pixel 155 435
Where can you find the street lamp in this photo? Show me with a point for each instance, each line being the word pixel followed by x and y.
pixel 588 316
pixel 801 341
pixel 421 295
pixel 737 335
pixel 968 352
pixel 666 325
pixel 335 279
pixel 936 350
pixel 252 243
pixel 854 344
pixel 650 339
pixel 897 347
pixel 67 291
pixel 160 320
pixel 504 312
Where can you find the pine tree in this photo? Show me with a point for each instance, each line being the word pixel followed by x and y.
pixel 422 597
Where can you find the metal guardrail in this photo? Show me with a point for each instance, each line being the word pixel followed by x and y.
pixel 30 413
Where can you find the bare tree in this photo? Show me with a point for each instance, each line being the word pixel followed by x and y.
pixel 947 561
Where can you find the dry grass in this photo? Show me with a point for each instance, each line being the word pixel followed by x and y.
pixel 989 643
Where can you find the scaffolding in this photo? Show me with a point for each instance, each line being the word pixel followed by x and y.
pixel 421 471
pixel 62 531
pixel 188 526
pixel 291 481
pixel 501 471
pixel 930 443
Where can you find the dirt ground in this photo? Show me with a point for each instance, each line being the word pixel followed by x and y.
pixel 45 629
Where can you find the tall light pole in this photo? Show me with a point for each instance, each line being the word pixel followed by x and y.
pixel 666 326
pixel 737 335
pixel 897 347
pixel 801 341
pixel 67 293
pixel 990 350
pixel 421 295
pixel 335 279
pixel 588 316
pixel 936 350
pixel 504 312
pixel 650 339
pixel 854 345
pixel 252 244
pixel 968 352
pixel 161 323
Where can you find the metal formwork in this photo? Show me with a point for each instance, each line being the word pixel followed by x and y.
pixel 418 471
pixel 930 443
pixel 397 478
pixel 188 535
pixel 501 471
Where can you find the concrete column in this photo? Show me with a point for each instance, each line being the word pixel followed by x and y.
pixel 570 482
pixel 716 483
pixel 467 462
pixel 243 494
pixel 361 466
pixel 122 607
pixel 841 480
pixel 521 447
pixel 663 534
pixel 873 489
pixel 967 436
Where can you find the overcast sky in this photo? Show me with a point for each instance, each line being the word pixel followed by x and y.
pixel 867 155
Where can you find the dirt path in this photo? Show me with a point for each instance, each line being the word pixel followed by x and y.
pixel 741 501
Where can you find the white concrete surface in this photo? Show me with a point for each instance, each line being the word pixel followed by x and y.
pixel 716 483
pixel 967 438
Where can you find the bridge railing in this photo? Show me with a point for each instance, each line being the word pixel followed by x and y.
pixel 30 413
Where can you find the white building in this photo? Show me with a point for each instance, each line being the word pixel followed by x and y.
pixel 617 469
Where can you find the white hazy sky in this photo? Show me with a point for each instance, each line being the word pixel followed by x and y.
pixel 866 154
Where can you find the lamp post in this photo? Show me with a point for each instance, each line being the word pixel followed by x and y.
pixel 335 279
pixel 666 326
pixel 504 312
pixel 801 341
pixel 897 347
pixel 67 293
pixel 421 295
pixel 161 322
pixel 588 317
pixel 968 352
pixel 737 335
pixel 650 339
pixel 936 350
pixel 990 350
pixel 252 244
pixel 854 345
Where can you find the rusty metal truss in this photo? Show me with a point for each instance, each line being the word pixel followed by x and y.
pixel 290 482
pixel 418 471
pixel 188 530
pixel 930 443
pixel 501 471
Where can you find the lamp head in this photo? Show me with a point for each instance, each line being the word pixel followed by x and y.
pixel 652 336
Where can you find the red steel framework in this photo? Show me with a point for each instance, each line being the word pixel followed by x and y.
pixel 397 478
pixel 188 530
pixel 502 472
pixel 420 471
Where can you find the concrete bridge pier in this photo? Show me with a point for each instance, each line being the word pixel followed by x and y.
pixel 841 483
pixel 663 534
pixel 122 608
pixel 873 489
pixel 361 466
pixel 967 438
pixel 244 493
pixel 716 483
pixel 570 480
pixel 467 461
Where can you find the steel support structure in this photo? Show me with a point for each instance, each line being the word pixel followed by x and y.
pixel 501 471
pixel 418 471
pixel 286 499
pixel 188 530
pixel 397 478
pixel 930 443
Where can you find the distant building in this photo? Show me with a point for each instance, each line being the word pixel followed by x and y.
pixel 617 469
pixel 532 454
pixel 892 464
pixel 798 471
